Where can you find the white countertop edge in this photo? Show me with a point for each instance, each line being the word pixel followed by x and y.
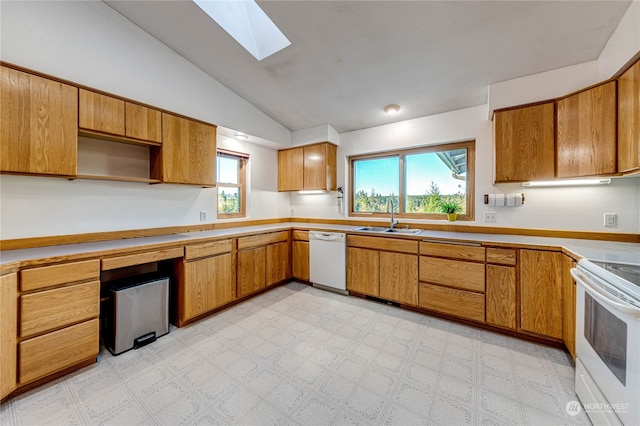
pixel 590 249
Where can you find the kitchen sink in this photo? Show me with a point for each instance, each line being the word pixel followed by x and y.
pixel 404 231
pixel 380 229
pixel 372 229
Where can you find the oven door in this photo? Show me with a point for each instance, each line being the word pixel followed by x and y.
pixel 608 344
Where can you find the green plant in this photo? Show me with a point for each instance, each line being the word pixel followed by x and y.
pixel 449 207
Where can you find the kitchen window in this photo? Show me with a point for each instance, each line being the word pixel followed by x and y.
pixel 418 181
pixel 231 182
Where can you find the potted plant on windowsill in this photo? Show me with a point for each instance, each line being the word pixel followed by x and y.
pixel 451 209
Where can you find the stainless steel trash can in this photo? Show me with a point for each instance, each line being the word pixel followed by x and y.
pixel 136 312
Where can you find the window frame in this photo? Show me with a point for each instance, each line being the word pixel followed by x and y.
pixel 241 185
pixel 469 145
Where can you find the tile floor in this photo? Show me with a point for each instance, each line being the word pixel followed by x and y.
pixel 302 356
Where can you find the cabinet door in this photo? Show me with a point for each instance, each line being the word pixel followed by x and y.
pixel 399 277
pixel 568 305
pixel 277 263
pixel 251 271
pixel 101 113
pixel 38 125
pixel 143 123
pixel 629 119
pixel 363 271
pixel 208 284
pixel 525 143
pixel 500 296
pixel 320 167
pixel 587 132
pixel 290 169
pixel 300 259
pixel 8 333
pixel 541 292
pixel 188 152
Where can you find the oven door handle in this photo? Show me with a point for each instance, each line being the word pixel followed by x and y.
pixel 602 295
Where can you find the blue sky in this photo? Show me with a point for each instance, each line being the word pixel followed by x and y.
pixel 382 175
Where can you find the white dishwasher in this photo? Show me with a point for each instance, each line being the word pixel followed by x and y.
pixel 327 260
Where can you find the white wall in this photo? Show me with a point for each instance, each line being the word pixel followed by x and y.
pixel 579 209
pixel 623 44
pixel 90 44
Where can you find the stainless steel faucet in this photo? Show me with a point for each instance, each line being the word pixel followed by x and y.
pixel 390 209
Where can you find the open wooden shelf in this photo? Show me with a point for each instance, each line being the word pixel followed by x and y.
pixel 119 178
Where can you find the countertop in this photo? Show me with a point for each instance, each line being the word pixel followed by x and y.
pixel 591 249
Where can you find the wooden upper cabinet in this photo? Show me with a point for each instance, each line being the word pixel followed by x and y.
pixel 629 120
pixel 188 152
pixel 525 143
pixel 541 292
pixel 586 141
pixel 310 167
pixel 113 116
pixel 101 113
pixel 38 125
pixel 290 169
pixel 143 123
pixel 320 167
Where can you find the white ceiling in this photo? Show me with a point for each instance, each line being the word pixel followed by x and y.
pixel 348 59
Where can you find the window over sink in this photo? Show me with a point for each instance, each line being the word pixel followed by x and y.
pixel 417 180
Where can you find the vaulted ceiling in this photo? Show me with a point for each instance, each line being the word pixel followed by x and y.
pixel 348 59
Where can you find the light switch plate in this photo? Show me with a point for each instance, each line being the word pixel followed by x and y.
pixel 610 219
pixel 203 216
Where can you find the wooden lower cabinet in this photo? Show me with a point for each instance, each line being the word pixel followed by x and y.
pixel 388 275
pixel 300 260
pixel 52 352
pixel 460 303
pixel 277 265
pixel 363 271
pixel 568 305
pixel 251 271
pixel 541 292
pixel 500 296
pixel 8 333
pixel 399 277
pixel 208 284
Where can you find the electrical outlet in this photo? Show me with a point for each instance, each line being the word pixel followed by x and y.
pixel 203 216
pixel 491 217
pixel 610 219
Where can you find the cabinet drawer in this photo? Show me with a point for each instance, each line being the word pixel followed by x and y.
pixel 36 278
pixel 207 249
pixel 50 309
pixel 53 352
pixel 142 258
pixel 453 251
pixel 501 256
pixel 460 303
pixel 378 243
pixel 101 113
pixel 454 273
pixel 301 235
pixel 262 240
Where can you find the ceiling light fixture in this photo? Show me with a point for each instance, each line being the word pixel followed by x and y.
pixel 576 182
pixel 392 109
pixel 241 136
pixel 247 24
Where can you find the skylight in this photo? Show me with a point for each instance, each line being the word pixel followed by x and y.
pixel 247 24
